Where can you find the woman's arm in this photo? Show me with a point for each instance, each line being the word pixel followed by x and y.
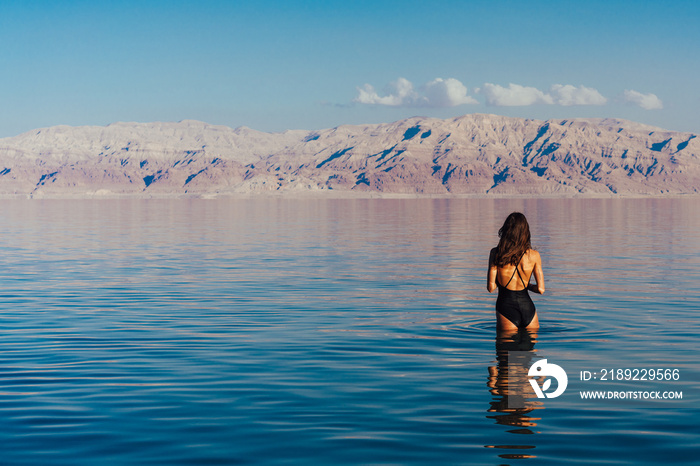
pixel 538 286
pixel 492 272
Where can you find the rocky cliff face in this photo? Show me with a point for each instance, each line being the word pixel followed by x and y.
pixel 469 155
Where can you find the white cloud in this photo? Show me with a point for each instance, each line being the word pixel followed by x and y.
pixel 447 93
pixel 450 93
pixel 400 93
pixel 570 95
pixel 514 95
pixel 646 101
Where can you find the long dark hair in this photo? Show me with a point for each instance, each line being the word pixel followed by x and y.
pixel 514 240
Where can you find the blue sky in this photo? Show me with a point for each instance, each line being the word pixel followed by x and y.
pixel 276 65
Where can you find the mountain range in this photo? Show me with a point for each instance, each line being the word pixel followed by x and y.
pixel 471 155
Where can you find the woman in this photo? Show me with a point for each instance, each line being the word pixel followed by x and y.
pixel 514 256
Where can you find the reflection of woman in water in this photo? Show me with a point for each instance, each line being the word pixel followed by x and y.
pixel 513 403
pixel 514 256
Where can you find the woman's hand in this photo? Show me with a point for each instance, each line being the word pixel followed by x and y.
pixel 539 276
pixel 533 287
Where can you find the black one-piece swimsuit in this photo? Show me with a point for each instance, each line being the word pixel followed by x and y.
pixel 516 306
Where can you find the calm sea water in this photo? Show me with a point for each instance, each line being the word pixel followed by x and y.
pixel 338 331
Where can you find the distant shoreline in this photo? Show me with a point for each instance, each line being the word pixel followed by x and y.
pixel 327 195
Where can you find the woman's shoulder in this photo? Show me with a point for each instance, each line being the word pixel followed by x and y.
pixel 533 255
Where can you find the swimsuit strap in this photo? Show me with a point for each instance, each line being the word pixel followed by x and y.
pixel 518 272
pixel 520 276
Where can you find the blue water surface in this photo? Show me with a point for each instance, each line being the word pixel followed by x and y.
pixel 338 332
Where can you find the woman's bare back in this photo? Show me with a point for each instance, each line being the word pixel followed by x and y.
pixel 509 278
pixel 529 264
